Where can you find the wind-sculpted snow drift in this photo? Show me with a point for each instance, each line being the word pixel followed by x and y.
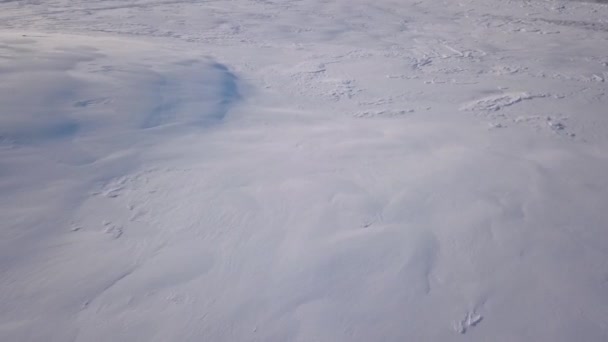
pixel 74 116
pixel 303 171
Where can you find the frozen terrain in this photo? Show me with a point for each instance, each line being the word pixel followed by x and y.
pixel 303 170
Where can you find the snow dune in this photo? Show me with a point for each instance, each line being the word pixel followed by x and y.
pixel 303 171
pixel 84 120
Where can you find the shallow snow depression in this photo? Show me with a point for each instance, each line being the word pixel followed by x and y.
pixel 303 171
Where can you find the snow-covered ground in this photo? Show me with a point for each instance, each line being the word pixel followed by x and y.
pixel 309 170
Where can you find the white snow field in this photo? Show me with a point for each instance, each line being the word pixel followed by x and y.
pixel 311 170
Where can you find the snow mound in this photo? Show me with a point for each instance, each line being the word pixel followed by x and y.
pixel 76 113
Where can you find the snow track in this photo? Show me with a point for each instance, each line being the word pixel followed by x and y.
pixel 303 171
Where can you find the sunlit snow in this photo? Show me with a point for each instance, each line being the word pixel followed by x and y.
pixel 342 170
